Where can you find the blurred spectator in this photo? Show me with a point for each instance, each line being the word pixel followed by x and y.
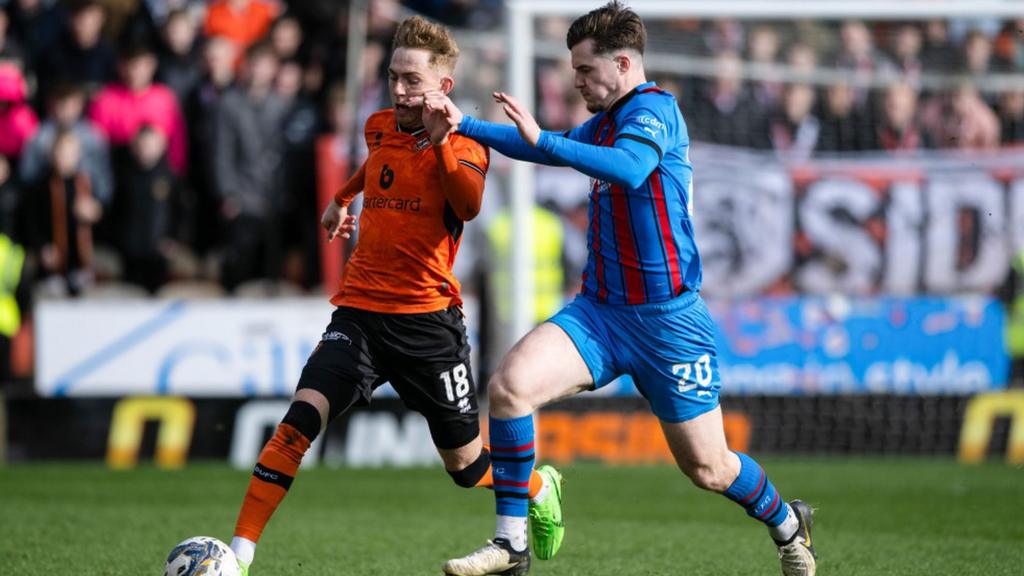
pixel 148 204
pixel 242 21
pixel 64 214
pixel 12 224
pixel 151 17
pixel 248 157
pixel 843 127
pixel 938 54
pixel 817 35
pixel 218 69
pixel 289 42
pixel 82 55
pixel 476 14
pixel 724 112
pixel 907 53
pixel 553 95
pixel 18 123
pixel 1009 44
pixel 382 19
pixel 120 109
pixel 179 64
pixel 977 54
pixel 803 59
pixel 897 128
pixel 287 38
pixel 961 119
pixel 724 35
pixel 763 49
pixel 1011 117
pixel 301 125
pixel 36 24
pixel 66 106
pixel 10 50
pixel 795 131
pixel 860 56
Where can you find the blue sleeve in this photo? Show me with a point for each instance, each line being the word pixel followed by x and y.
pixel 505 139
pixel 645 126
pixel 628 163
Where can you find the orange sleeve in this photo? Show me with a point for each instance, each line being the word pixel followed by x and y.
pixel 461 181
pixel 354 186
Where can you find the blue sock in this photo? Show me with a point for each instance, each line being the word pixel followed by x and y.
pixel 755 493
pixel 512 458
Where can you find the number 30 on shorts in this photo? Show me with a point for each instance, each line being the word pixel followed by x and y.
pixel 694 375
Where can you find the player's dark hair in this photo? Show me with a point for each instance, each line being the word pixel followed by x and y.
pixel 418 32
pixel 613 26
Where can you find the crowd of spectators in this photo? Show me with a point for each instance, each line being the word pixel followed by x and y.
pixel 153 141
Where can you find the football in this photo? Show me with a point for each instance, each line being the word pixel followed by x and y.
pixel 201 556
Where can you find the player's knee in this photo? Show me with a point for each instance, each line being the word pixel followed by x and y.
pixel 707 477
pixel 471 475
pixel 505 390
pixel 305 418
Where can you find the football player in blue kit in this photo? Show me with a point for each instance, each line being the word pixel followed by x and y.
pixel 639 312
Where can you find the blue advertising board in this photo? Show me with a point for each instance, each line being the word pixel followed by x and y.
pixel 839 345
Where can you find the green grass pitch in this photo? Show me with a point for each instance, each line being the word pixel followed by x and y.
pixel 874 517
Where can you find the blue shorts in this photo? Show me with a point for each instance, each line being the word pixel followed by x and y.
pixel 668 348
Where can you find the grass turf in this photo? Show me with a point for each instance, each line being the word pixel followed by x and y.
pixel 874 517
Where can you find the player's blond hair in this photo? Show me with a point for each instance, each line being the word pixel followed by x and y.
pixel 418 32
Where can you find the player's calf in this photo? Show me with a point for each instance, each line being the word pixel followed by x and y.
pixel 273 475
pixel 473 475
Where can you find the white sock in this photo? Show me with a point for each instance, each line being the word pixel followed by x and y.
pixel 244 549
pixel 783 532
pixel 513 529
pixel 544 489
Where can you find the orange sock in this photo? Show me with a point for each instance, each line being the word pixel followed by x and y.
pixel 270 480
pixel 536 482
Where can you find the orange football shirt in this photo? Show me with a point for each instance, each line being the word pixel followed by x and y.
pixel 408 233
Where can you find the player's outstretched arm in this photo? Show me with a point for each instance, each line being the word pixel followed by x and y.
pixel 336 219
pixel 627 163
pixel 504 139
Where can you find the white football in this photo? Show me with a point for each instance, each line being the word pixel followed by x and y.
pixel 201 556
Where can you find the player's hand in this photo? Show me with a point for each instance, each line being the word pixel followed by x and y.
pixel 435 119
pixel 337 221
pixel 528 127
pixel 440 102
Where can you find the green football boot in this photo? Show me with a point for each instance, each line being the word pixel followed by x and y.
pixel 243 568
pixel 546 525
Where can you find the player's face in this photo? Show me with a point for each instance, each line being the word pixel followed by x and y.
pixel 597 76
pixel 411 74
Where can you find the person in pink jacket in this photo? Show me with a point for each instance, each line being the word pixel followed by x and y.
pixel 17 120
pixel 120 109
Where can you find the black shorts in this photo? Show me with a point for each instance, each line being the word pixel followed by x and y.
pixel 425 357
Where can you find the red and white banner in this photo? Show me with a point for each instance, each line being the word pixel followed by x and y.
pixel 934 223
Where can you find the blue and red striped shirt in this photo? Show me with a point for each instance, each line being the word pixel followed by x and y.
pixel 641 237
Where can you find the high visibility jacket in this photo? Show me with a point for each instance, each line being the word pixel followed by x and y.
pixel 1015 325
pixel 12 257
pixel 546 236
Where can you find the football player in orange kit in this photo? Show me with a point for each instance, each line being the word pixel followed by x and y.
pixel 398 316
